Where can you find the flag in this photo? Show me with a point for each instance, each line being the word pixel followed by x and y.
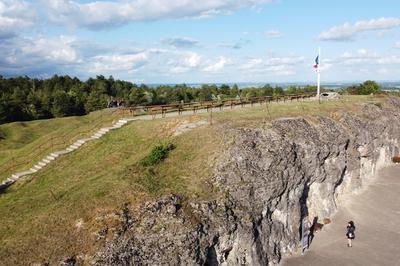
pixel 316 65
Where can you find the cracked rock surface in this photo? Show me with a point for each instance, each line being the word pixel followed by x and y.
pixel 270 178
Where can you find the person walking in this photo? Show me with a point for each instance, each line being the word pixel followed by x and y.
pixel 350 233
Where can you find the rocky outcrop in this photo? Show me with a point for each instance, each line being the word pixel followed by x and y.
pixel 269 179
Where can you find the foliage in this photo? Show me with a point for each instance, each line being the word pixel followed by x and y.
pixel 24 98
pixel 366 88
pixel 157 154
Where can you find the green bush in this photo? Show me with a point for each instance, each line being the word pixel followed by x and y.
pixel 366 88
pixel 157 154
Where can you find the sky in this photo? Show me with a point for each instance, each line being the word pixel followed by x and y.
pixel 207 41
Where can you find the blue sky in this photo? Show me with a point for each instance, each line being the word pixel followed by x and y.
pixel 176 41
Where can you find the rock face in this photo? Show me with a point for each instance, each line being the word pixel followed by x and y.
pixel 271 177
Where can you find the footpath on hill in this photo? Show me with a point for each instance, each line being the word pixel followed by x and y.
pixel 376 213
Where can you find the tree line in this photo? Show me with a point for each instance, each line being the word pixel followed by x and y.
pixel 24 98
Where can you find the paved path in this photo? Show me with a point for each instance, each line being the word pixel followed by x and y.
pixel 376 213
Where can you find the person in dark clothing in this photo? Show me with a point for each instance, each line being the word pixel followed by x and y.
pixel 350 233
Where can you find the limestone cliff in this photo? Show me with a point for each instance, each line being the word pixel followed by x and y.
pixel 270 177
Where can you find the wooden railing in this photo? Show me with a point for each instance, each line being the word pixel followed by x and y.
pixel 61 142
pixel 195 106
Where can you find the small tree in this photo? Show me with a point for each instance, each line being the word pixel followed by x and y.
pixel 369 87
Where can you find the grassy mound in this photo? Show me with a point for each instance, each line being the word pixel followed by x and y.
pixel 24 143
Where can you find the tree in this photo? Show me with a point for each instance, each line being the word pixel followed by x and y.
pixel 369 87
pixel 62 104
pixel 365 88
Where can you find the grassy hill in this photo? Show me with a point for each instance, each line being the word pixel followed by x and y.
pixel 23 143
pixel 58 210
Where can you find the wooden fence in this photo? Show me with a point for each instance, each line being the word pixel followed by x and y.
pixel 162 110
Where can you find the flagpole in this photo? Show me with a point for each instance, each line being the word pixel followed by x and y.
pixel 319 73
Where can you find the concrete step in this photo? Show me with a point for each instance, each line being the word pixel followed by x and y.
pixel 78 144
pixel 38 167
pixel 16 176
pixel 97 135
pixel 24 173
pixel 42 163
pixel 63 152
pixel 105 130
pixel 50 158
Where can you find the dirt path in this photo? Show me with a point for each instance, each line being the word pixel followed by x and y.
pixel 376 213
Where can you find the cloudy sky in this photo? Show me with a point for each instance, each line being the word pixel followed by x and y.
pixel 176 41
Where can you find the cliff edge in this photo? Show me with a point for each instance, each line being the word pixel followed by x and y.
pixel 269 178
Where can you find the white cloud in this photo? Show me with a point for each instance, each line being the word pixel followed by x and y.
pixel 187 61
pixel 15 15
pixel 117 62
pixel 274 34
pixel 58 49
pixel 348 31
pixel 272 66
pixel 40 50
pixel 192 60
pixel 235 45
pixel 285 60
pixel 181 42
pixel 251 64
pixel 40 55
pixel 216 66
pixel 397 45
pixel 98 14
pixel 365 57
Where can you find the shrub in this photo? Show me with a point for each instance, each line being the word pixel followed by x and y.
pixel 157 154
pixel 366 88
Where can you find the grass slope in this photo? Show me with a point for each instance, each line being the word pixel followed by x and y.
pixel 24 143
pixel 56 211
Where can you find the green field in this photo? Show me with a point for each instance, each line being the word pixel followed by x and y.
pixel 40 213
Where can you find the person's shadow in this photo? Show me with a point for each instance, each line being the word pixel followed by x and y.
pixel 312 230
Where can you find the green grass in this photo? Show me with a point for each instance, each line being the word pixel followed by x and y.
pixel 24 143
pixel 252 116
pixel 39 213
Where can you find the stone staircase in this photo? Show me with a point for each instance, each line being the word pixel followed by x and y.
pixel 54 155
